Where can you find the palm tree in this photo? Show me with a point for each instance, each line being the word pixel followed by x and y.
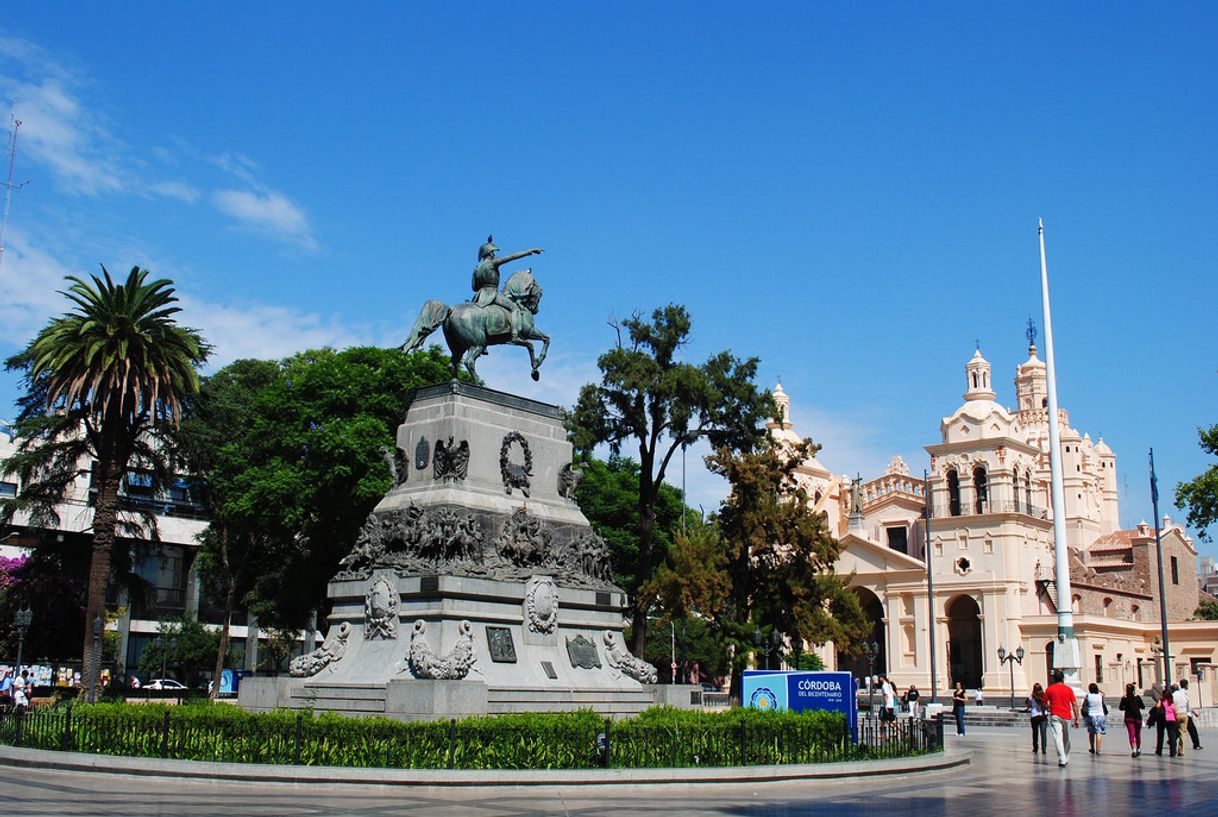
pixel 104 382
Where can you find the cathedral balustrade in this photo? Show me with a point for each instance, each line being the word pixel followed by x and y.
pixel 945 510
pixel 1040 417
pixel 889 484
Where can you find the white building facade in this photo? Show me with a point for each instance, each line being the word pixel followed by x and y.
pixel 991 554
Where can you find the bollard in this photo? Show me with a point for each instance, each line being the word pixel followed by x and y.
pixel 165 735
pixel 65 742
pixel 604 745
pixel 296 751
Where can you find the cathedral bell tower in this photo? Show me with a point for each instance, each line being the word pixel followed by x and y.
pixel 977 375
pixel 1031 378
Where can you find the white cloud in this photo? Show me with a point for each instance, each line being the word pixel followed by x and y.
pixel 175 190
pixel 71 139
pixel 32 276
pixel 30 281
pixel 267 212
pixel 59 133
pixel 263 331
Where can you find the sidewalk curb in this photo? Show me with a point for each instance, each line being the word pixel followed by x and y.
pixel 330 775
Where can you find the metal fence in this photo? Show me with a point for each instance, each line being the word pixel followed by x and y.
pixel 304 740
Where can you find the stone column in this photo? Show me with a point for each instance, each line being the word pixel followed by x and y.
pixel 251 644
pixel 123 627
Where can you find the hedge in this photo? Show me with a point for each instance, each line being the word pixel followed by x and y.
pixel 659 737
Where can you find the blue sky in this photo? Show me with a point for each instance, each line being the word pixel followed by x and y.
pixel 849 194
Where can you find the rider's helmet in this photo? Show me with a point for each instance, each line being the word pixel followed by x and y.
pixel 488 249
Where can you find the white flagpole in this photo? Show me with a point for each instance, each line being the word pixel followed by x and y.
pixel 1065 654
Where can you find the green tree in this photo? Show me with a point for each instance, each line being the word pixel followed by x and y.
pixel 772 565
pixel 609 497
pixel 1207 610
pixel 651 399
pixel 222 443
pixel 1200 494
pixel 184 647
pixel 302 469
pixel 103 382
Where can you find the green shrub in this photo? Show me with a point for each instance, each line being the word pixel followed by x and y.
pixel 658 737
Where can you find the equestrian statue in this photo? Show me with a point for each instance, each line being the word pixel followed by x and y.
pixel 491 318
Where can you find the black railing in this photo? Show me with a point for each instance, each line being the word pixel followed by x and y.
pixel 303 740
pixel 944 510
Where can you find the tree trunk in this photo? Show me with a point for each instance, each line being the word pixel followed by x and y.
pixel 229 600
pixel 105 516
pixel 647 524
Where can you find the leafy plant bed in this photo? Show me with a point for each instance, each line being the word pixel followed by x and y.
pixel 660 737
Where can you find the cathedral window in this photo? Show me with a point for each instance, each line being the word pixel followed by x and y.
pixel 953 493
pixel 981 490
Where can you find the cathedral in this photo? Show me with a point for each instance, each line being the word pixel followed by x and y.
pixel 989 551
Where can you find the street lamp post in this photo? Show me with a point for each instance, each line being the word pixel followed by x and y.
pixel 871 652
pixel 22 620
pixel 768 646
pixel 1011 659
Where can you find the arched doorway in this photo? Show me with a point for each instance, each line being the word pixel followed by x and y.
pixel 964 641
pixel 857 663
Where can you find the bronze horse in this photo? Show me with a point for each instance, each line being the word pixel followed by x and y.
pixel 469 329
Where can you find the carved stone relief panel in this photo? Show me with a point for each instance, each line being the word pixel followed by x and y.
pixel 381 611
pixel 516 471
pixel 541 604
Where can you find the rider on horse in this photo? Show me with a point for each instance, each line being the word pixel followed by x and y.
pixel 486 283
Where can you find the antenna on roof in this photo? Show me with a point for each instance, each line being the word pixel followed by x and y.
pixel 9 187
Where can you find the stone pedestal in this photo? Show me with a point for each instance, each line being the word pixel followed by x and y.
pixel 477 584
pixel 427 699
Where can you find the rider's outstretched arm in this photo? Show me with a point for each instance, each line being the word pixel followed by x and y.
pixel 499 262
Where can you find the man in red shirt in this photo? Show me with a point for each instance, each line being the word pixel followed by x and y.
pixel 1063 706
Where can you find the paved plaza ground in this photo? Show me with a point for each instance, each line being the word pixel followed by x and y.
pixel 1005 778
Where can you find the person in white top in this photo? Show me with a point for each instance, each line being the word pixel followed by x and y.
pixel 20 698
pixel 1182 703
pixel 1097 718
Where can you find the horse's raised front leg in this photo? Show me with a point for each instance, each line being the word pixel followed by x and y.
pixel 533 361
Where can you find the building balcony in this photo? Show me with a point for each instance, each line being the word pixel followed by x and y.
pixel 950 509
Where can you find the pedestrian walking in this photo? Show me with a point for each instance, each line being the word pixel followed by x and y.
pixel 888 714
pixel 1170 720
pixel 959 696
pixel 1156 719
pixel 1132 706
pixel 1038 712
pixel 21 697
pixel 1096 713
pixel 1192 722
pixel 1063 709
pixel 913 699
pixel 1184 716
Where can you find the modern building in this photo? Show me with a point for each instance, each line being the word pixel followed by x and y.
pixel 164 564
pixel 991 554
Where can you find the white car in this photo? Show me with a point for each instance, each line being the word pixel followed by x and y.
pixel 164 683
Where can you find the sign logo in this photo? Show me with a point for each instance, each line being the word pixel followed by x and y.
pixel 764 699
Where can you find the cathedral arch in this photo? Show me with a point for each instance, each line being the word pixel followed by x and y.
pixel 953 493
pixel 856 663
pixel 981 490
pixel 964 645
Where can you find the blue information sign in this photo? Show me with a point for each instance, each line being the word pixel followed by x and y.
pixel 801 691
